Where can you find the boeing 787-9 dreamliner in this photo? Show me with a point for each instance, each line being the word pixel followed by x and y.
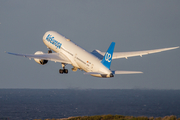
pixel 95 63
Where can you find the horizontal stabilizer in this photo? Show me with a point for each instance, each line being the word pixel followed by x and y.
pixel 126 72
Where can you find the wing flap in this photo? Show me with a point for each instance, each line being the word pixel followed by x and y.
pixel 57 57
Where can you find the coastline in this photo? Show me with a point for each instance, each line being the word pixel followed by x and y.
pixel 115 117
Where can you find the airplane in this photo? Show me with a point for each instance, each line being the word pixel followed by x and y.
pixel 95 63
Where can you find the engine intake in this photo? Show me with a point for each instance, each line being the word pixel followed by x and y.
pixel 40 61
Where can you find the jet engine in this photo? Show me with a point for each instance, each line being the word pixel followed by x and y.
pixel 40 61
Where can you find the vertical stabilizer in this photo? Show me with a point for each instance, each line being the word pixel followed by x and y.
pixel 106 61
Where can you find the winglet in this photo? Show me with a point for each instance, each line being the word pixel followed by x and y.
pixel 106 61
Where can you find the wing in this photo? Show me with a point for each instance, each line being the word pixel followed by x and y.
pixel 117 55
pixel 56 57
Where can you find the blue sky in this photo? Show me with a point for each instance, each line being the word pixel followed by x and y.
pixel 133 25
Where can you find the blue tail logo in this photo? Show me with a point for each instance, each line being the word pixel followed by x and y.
pixel 108 57
pixel 106 61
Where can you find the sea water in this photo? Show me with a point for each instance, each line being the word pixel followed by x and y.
pixel 22 104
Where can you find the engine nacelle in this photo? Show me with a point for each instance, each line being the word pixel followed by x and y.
pixel 40 61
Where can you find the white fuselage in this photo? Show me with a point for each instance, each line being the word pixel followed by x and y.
pixel 78 57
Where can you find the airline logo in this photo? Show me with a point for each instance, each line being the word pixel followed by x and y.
pixel 108 57
pixel 51 39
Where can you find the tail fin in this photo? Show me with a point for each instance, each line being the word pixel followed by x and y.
pixel 106 61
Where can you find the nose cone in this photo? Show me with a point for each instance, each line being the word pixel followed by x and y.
pixel 45 36
pixel 49 33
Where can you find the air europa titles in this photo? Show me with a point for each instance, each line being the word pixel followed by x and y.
pixel 53 41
